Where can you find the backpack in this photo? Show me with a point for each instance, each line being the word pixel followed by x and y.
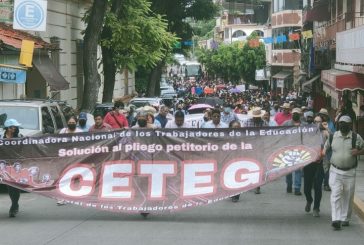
pixel 353 145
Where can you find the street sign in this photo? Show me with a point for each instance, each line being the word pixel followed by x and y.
pixel 12 75
pixel 30 15
pixel 280 83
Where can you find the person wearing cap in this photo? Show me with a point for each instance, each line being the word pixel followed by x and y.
pixel 11 127
pixel 82 122
pixel 309 116
pixel 326 118
pixel 116 118
pixel 295 121
pixel 343 170
pixel 284 115
pixel 346 109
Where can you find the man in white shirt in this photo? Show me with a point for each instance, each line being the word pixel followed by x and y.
pixel 178 122
pixel 215 122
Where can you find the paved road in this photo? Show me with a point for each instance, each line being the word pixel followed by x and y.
pixel 273 217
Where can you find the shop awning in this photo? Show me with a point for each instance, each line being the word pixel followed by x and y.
pixel 319 12
pixel 343 80
pixel 13 38
pixel 50 73
pixel 310 81
pixel 282 75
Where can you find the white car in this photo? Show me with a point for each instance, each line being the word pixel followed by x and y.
pixel 36 117
pixel 140 102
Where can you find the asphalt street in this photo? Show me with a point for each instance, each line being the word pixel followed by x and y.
pixel 273 217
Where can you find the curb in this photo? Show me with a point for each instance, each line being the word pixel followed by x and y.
pixel 359 206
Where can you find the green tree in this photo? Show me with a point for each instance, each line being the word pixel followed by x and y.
pixel 93 30
pixel 177 12
pixel 251 59
pixel 132 35
pixel 233 62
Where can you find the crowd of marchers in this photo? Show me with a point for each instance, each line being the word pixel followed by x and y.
pixel 219 105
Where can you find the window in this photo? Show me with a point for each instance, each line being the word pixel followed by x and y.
pixel 361 7
pixel 280 5
pixel 26 116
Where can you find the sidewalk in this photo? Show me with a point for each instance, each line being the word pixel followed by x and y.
pixel 359 189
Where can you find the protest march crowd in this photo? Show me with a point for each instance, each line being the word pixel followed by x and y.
pixel 220 105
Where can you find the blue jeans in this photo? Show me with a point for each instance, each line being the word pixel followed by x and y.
pixel 297 180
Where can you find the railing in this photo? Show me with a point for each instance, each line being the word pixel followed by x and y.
pixel 343 22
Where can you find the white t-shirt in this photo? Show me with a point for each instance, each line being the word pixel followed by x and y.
pixel 66 131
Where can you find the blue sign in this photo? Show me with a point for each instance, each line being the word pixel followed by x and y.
pixel 30 15
pixel 12 75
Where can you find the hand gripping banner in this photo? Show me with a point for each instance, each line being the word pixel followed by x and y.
pixel 155 170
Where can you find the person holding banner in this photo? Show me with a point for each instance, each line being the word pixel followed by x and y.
pixel 71 129
pixel 235 124
pixel 11 127
pixel 295 121
pixel 314 172
pixel 255 121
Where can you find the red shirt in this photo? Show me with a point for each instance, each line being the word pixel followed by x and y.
pixel 281 117
pixel 116 120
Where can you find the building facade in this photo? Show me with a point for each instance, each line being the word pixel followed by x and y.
pixel 64 40
pixel 239 20
pixel 286 21
pixel 339 44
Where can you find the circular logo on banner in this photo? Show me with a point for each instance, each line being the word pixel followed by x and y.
pixel 29 14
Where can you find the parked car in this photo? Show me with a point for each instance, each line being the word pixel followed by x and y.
pixel 103 108
pixel 36 116
pixel 143 101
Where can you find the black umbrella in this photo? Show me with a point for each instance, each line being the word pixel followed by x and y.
pixel 213 101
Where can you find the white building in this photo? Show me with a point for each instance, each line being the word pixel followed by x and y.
pixel 63 45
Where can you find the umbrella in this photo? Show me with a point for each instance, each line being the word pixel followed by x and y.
pixel 220 86
pixel 212 101
pixel 234 90
pixel 199 107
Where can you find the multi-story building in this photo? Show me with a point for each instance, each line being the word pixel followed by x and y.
pixel 238 20
pixel 339 46
pixel 286 53
pixel 57 70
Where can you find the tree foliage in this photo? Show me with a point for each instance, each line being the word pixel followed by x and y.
pixel 138 36
pixel 233 62
pixel 132 36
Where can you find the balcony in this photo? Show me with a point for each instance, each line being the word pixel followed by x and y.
pixel 286 57
pixel 287 18
pixel 325 35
